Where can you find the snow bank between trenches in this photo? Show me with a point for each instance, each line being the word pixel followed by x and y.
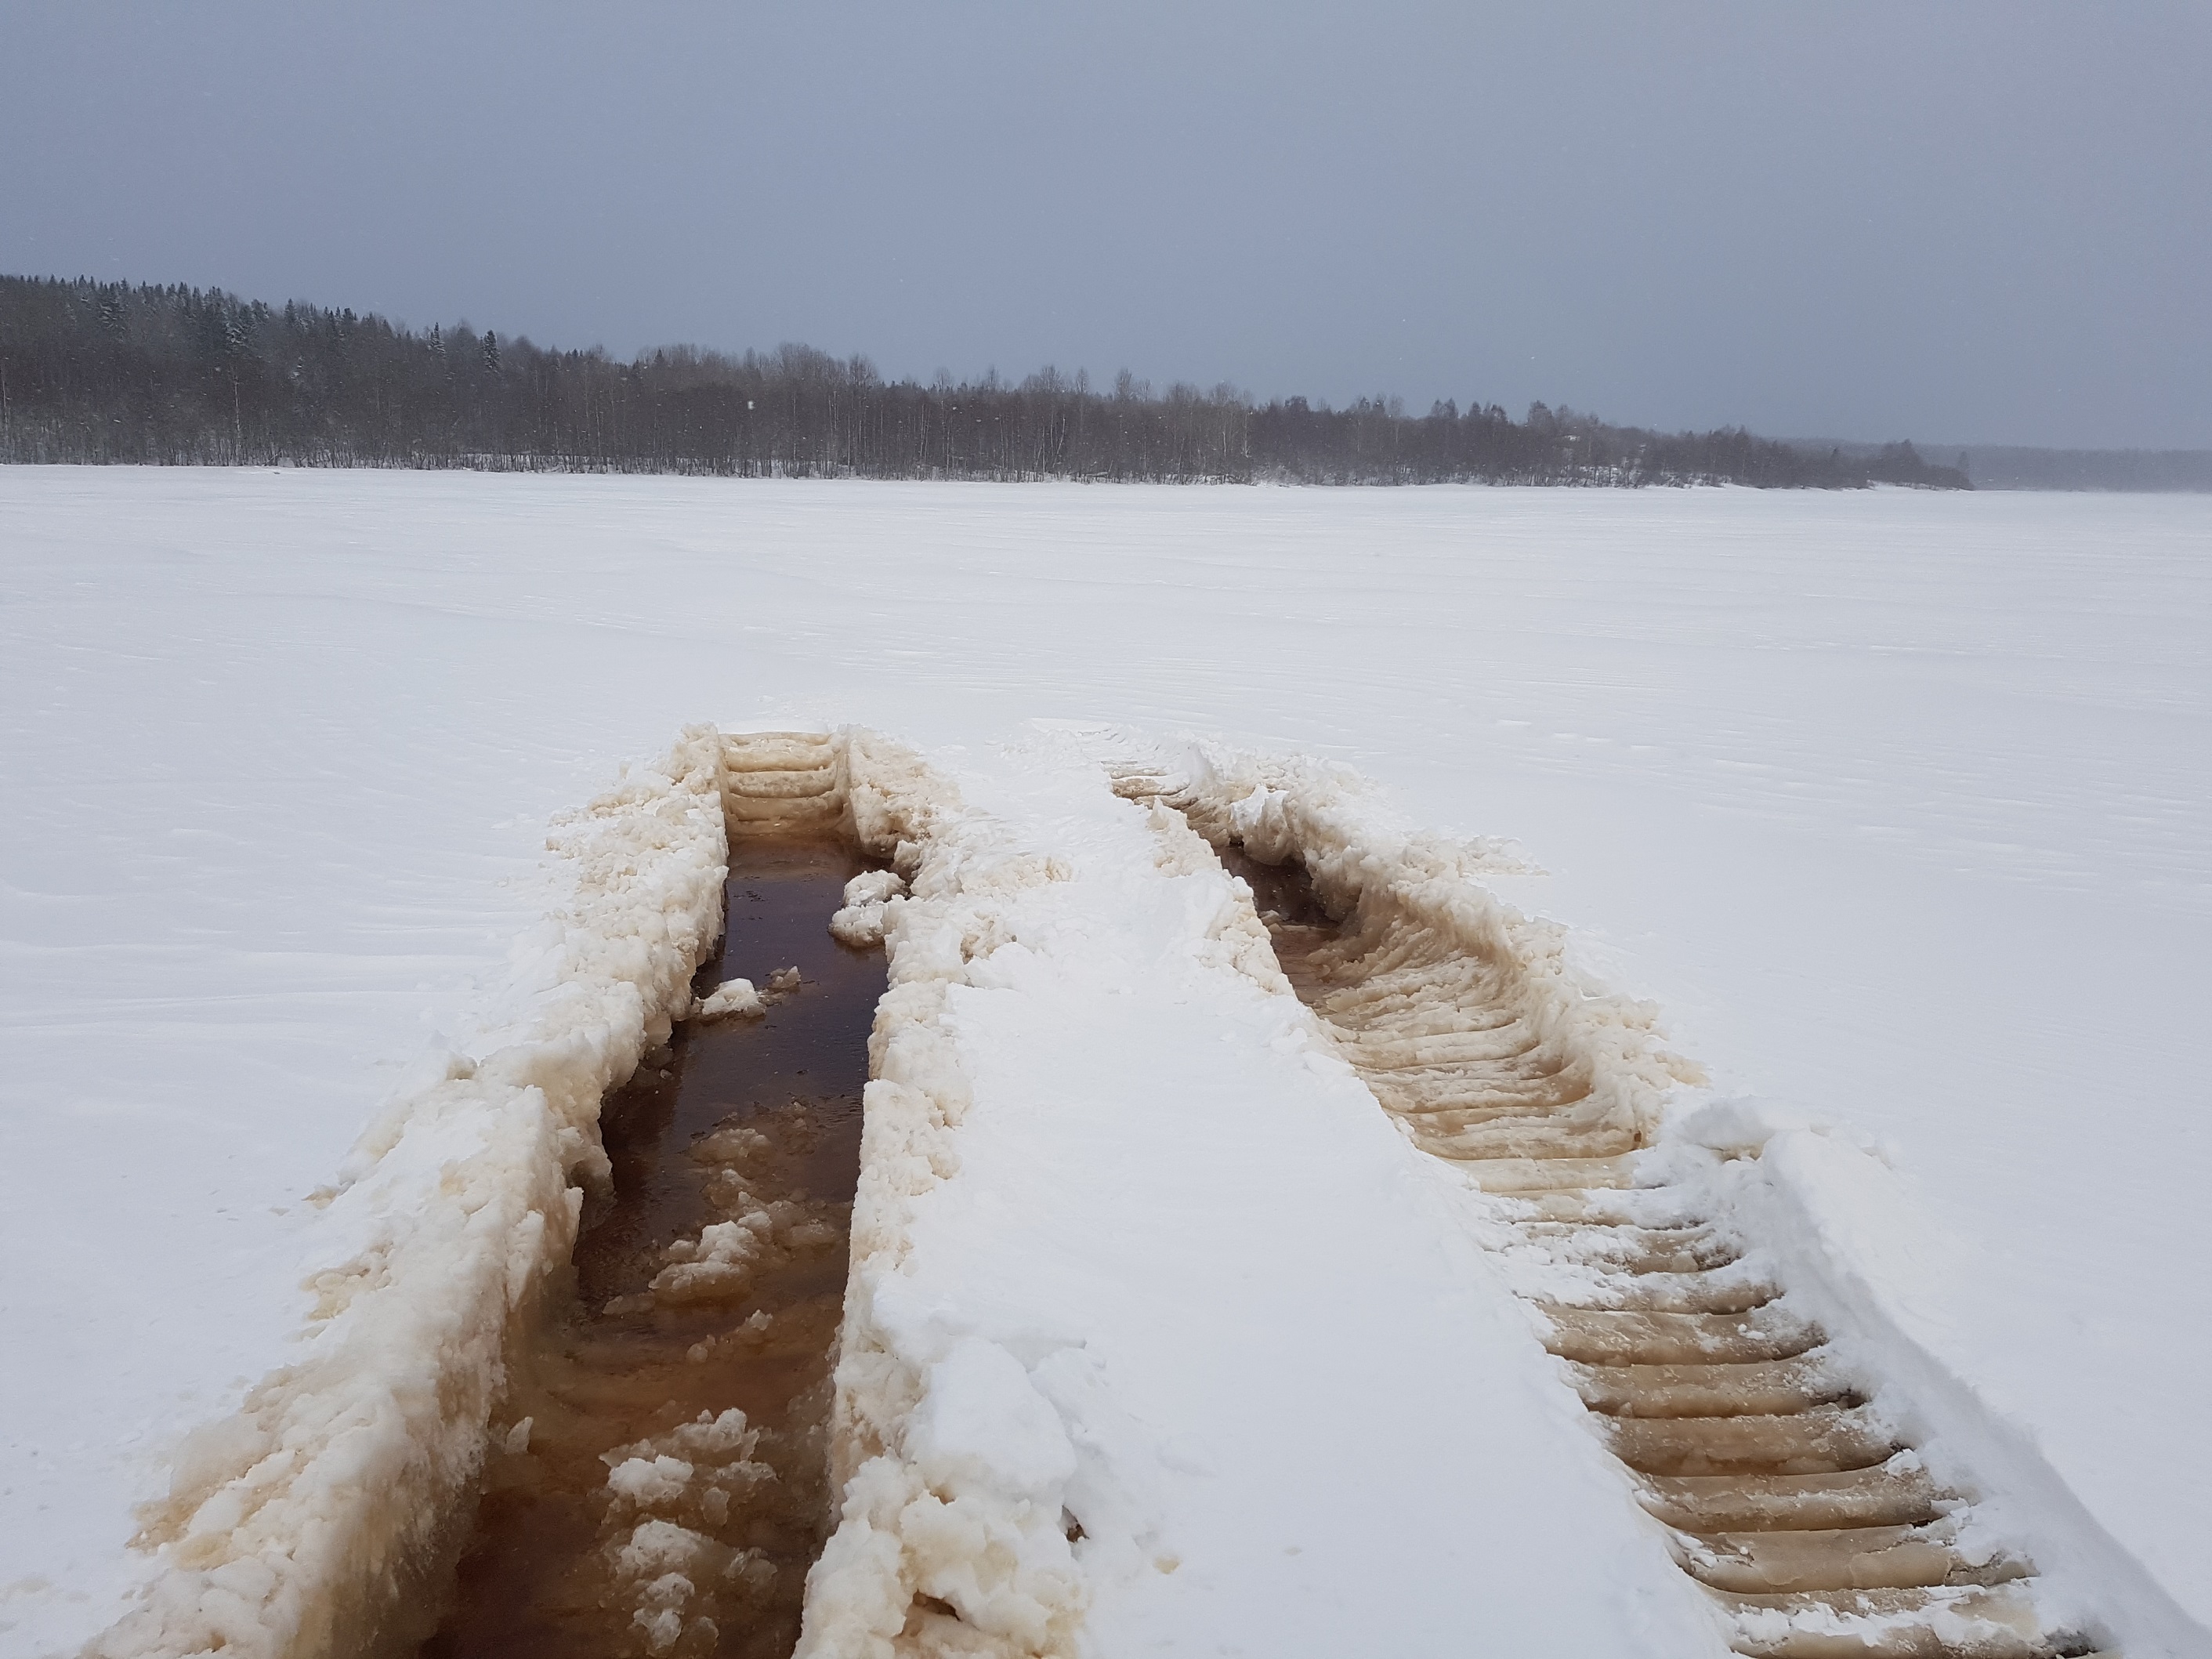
pixel 301 1524
pixel 948 1460
pixel 1848 1233
pixel 1135 1262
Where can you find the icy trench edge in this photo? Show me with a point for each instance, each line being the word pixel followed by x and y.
pixel 315 1518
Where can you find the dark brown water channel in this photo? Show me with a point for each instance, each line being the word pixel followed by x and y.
pixel 658 1483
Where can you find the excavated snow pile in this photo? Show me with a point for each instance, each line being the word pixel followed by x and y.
pixel 948 1460
pixel 1834 1493
pixel 307 1522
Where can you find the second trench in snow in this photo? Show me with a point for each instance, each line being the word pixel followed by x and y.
pixel 1797 1504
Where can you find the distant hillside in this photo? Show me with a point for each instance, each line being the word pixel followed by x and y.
pixel 105 372
pixel 2004 466
pixel 1994 467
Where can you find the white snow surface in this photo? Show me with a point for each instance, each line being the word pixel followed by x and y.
pixel 1895 803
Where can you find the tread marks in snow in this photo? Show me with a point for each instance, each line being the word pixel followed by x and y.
pixel 1786 1493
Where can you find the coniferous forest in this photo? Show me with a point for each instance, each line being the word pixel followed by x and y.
pixel 110 373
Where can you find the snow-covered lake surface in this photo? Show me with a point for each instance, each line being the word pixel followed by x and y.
pixel 1896 803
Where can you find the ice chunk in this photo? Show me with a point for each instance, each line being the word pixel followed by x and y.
pixel 731 996
pixel 874 887
pixel 656 1548
pixel 719 1262
pixel 868 897
pixel 644 1481
pixel 860 926
pixel 662 1629
pixel 727 1435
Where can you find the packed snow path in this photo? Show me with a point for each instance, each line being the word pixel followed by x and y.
pixel 1791 1494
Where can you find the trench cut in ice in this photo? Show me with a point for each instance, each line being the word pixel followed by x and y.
pixel 1786 1492
pixel 657 1481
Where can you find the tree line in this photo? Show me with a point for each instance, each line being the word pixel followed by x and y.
pixel 108 372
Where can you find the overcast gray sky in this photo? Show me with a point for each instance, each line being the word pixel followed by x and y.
pixel 1957 223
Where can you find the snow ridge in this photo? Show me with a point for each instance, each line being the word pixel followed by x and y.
pixel 303 1523
pixel 949 1460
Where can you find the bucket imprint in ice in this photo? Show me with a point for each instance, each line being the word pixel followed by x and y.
pixel 1785 1493
pixel 656 1483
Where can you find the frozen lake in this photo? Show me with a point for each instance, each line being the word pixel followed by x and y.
pixel 1896 803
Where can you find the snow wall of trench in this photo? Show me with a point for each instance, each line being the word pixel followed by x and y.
pixel 315 1519
pixel 310 1520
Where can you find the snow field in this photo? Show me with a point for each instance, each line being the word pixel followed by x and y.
pixel 1896 806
